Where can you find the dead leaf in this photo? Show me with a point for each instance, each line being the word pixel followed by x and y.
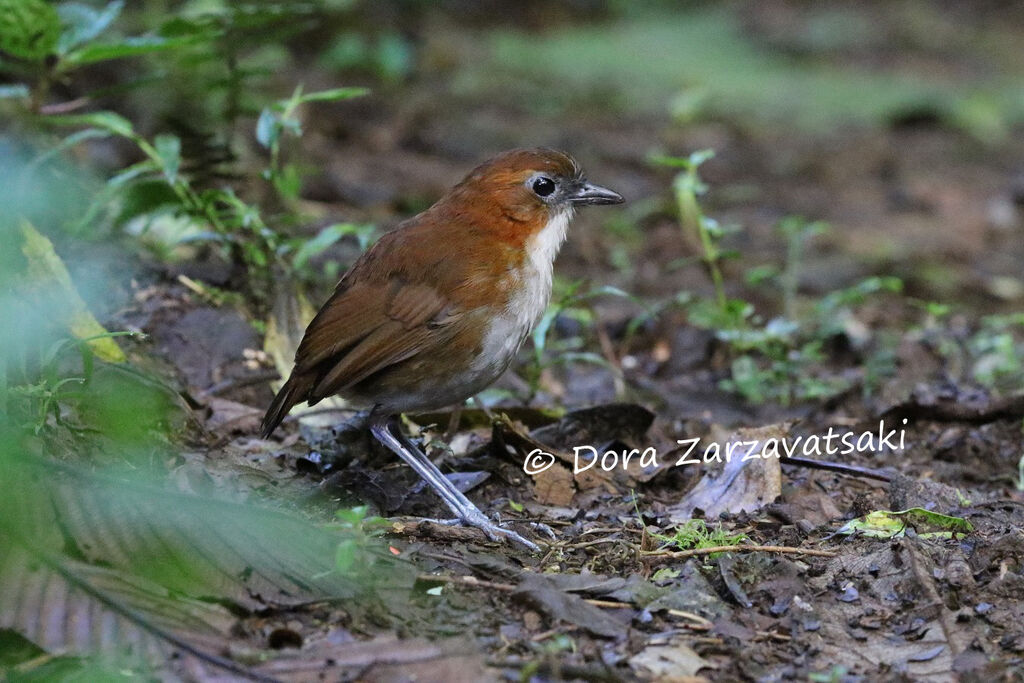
pixel 671 661
pixel 751 479
pixel 230 416
pixel 554 486
pixel 544 594
pixel 385 658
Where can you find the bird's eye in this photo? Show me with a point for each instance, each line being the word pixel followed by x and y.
pixel 543 186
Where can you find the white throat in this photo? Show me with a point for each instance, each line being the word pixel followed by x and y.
pixel 543 247
pixel 508 331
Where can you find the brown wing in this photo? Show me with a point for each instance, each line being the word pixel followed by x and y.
pixel 388 324
pixel 377 317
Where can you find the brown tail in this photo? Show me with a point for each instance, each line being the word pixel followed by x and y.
pixel 295 390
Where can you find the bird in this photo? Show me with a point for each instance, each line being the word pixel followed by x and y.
pixel 437 309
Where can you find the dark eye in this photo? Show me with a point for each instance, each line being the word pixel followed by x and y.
pixel 543 186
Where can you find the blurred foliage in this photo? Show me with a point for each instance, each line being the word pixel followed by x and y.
pixel 134 565
pixel 91 531
pixel 701 62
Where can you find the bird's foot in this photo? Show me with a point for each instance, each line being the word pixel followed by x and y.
pixel 544 529
pixel 475 518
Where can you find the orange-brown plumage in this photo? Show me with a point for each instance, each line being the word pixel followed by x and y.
pixel 437 308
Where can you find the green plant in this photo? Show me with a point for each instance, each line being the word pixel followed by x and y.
pixel 50 43
pixel 577 306
pixel 282 118
pixel 44 393
pixel 834 675
pixel 695 534
pixel 783 358
pixel 353 555
pixel 687 188
pixel 159 197
pixel 996 352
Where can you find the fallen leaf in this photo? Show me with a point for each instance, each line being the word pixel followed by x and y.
pixel 750 479
pixel 670 661
pixel 888 524
pixel 544 594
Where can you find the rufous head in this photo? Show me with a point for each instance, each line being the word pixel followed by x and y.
pixel 529 186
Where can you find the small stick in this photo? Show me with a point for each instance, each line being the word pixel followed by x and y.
pixel 474 582
pixel 609 603
pixel 699 621
pixel 467 581
pixel 784 549
pixel 842 468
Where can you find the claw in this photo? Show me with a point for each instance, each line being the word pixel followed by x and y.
pixel 544 529
pixel 490 529
pixel 387 432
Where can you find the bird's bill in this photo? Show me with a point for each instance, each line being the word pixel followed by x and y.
pixel 588 193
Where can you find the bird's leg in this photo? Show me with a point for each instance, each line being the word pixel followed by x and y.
pixel 387 431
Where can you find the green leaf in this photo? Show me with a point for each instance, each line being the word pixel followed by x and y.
pixel 334 95
pixel 46 268
pixel 345 556
pixel 129 47
pixel 707 314
pixel 288 181
pixel 324 239
pixel 760 274
pixel 69 142
pixel 268 130
pixel 29 29
pixel 540 332
pixel 83 23
pixel 887 524
pixel 104 120
pixel 129 174
pixel 583 357
pixel 168 147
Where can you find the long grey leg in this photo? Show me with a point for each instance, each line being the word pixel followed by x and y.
pixel 387 431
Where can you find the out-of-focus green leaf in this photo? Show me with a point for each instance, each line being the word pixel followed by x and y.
pixel 29 29
pixel 708 315
pixel 133 172
pixel 129 47
pixel 104 120
pixel 267 129
pixel 324 239
pixel 152 568
pixel 69 142
pixel 45 269
pixel 288 181
pixel 249 555
pixel 888 524
pixel 168 147
pixel 82 23
pixel 100 609
pixel 334 95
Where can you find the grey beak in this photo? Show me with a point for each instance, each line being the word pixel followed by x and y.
pixel 588 193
